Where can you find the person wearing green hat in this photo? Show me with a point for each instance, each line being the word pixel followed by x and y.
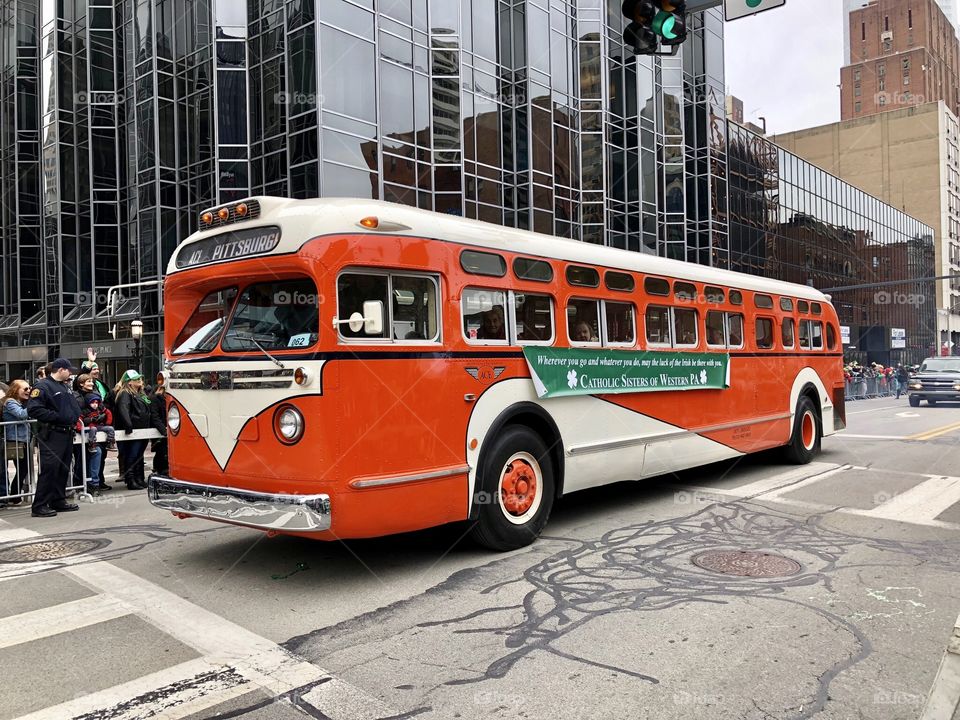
pixel 132 413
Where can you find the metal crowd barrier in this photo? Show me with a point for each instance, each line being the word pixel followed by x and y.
pixel 29 461
pixel 864 388
pixel 81 440
pixel 21 459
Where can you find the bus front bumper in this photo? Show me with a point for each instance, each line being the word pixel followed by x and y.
pixel 264 511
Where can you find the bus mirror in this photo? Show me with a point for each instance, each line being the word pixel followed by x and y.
pixel 372 317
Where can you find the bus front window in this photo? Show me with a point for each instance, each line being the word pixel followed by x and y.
pixel 205 326
pixel 276 316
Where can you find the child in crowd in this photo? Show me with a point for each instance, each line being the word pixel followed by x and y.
pixel 94 418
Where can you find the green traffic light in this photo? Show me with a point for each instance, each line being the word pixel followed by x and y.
pixel 664 24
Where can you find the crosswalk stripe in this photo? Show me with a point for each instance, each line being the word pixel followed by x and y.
pixel 921 503
pixel 253 661
pixel 783 479
pixel 48 621
pixel 174 692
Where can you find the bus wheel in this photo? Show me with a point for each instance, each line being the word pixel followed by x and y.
pixel 805 440
pixel 515 491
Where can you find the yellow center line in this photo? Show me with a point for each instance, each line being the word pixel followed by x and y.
pixel 936 432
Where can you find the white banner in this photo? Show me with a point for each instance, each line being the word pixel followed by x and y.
pixel 845 334
pixel 898 338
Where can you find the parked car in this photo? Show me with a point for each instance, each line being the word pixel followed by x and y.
pixel 937 379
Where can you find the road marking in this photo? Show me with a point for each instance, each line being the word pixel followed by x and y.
pixel 338 701
pixel 888 407
pixel 45 622
pixel 779 492
pixel 921 503
pixel 871 437
pixel 936 432
pixel 783 479
pixel 908 414
pixel 178 691
pixel 13 534
pixel 230 651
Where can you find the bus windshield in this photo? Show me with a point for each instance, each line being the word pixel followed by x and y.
pixel 203 329
pixel 274 316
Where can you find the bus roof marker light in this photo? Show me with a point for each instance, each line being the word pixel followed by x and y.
pixel 223 213
pixel 242 210
pixel 207 218
pixel 371 223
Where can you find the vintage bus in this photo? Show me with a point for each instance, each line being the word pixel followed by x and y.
pixel 343 368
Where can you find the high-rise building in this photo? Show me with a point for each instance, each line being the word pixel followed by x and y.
pixel 919 171
pixel 949 7
pixel 901 54
pixel 123 119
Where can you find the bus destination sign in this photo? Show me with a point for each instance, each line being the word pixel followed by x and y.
pixel 230 246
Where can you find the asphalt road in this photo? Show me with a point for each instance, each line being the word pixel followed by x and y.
pixel 607 616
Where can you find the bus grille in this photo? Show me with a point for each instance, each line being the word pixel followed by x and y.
pixel 232 380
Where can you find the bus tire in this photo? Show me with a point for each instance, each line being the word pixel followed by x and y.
pixel 515 490
pixel 805 439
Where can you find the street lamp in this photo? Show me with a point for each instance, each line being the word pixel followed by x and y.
pixel 136 332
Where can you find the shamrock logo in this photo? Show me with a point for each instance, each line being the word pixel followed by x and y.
pixel 572 379
pixel 703 377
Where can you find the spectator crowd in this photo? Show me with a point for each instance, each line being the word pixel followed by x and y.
pixel 66 403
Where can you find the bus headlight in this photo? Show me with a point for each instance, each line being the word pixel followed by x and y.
pixel 288 424
pixel 173 419
pixel 302 377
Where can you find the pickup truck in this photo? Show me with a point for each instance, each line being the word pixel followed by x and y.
pixel 938 379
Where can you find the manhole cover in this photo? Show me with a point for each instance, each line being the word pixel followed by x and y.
pixel 49 550
pixel 747 563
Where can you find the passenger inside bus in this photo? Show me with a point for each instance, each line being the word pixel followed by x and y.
pixel 582 332
pixel 491 328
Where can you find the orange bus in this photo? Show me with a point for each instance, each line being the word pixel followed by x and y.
pixel 349 368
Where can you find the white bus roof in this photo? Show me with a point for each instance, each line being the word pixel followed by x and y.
pixel 302 220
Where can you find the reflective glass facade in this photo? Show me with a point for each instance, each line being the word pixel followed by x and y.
pixel 119 128
pixel 791 220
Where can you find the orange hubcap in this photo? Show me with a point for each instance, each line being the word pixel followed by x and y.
pixel 808 430
pixel 518 488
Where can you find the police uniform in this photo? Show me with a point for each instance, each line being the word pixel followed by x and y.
pixel 56 409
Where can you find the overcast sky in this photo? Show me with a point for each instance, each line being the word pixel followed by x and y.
pixel 785 64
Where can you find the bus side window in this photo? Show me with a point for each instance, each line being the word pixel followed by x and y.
pixel 620 325
pixel 533 318
pixel 764 333
pixel 817 335
pixel 354 289
pixel 484 315
pixel 415 308
pixel 583 321
pixel 805 334
pixel 786 330
pixel 715 333
pixel 735 328
pixel 685 328
pixel 657 321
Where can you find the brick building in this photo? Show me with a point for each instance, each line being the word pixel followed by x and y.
pixel 902 53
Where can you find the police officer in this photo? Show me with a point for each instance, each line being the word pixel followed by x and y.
pixel 56 410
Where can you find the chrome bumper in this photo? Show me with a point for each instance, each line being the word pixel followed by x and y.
pixel 285 513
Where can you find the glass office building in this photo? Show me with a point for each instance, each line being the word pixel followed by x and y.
pixel 123 119
pixel 791 220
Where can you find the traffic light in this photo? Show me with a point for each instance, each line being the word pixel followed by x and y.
pixel 654 23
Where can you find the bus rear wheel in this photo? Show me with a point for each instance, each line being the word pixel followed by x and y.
pixel 516 490
pixel 805 440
